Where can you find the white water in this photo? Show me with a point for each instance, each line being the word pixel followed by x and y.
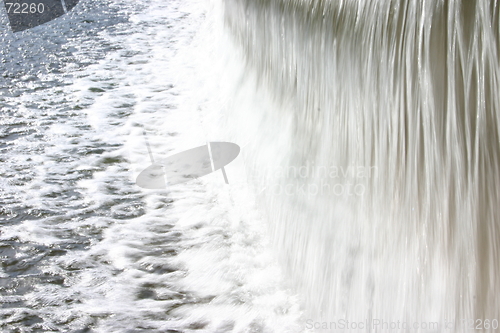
pixel 96 253
pixel 407 94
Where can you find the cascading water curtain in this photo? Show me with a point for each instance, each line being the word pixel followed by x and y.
pixel 376 143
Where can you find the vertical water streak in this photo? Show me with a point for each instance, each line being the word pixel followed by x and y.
pixel 398 98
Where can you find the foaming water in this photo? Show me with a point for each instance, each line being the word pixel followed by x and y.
pixel 83 248
pixel 372 138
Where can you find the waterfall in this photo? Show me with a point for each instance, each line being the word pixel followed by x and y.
pixel 374 145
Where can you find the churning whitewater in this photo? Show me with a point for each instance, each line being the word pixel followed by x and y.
pixel 83 248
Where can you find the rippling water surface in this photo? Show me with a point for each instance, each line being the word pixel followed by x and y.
pixel 84 249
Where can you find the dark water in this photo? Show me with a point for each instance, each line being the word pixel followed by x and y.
pixel 37 69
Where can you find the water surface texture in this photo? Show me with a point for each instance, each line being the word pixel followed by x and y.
pixel 83 248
